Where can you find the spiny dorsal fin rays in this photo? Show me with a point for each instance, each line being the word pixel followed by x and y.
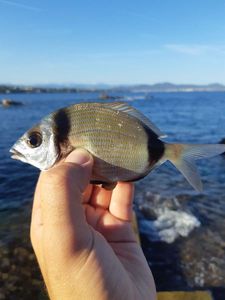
pixel 124 107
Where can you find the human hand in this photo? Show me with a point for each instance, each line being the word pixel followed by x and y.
pixel 83 237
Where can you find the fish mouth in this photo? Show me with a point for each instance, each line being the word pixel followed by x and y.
pixel 16 154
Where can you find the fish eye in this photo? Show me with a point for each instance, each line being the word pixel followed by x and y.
pixel 34 140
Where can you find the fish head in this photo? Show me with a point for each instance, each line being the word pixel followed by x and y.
pixel 37 146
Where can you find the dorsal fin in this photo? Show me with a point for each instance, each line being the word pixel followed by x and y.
pixel 124 107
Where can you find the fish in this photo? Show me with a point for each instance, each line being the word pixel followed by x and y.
pixel 125 144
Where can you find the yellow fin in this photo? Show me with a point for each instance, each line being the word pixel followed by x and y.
pixel 183 157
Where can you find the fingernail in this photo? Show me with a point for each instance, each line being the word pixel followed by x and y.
pixel 78 156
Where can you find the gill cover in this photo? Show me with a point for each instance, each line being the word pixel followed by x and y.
pixel 44 153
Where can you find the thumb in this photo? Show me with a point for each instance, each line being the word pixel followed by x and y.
pixel 59 192
pixel 83 161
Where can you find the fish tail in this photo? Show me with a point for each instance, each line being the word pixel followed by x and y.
pixel 183 157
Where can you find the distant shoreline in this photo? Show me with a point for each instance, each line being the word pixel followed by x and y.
pixel 141 88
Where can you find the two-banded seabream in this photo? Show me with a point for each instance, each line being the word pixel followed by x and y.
pixel 125 144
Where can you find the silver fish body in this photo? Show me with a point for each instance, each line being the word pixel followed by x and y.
pixel 118 141
pixel 125 145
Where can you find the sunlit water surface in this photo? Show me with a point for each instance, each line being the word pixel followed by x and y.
pixel 196 260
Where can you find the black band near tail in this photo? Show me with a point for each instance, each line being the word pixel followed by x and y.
pixel 156 148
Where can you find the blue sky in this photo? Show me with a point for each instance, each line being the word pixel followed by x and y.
pixel 117 41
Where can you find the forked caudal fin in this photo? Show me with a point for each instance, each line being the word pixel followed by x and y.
pixel 183 157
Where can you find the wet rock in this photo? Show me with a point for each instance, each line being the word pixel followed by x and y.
pixel 169 225
pixel 20 276
pixel 166 218
pixel 32 257
pixel 5 264
pixel 19 251
pixel 208 269
pixel 222 142
pixel 4 276
pixel 2 296
pixel 148 212
pixel 22 254
pixel 188 263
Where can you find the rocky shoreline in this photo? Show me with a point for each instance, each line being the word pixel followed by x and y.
pixel 20 276
pixel 176 266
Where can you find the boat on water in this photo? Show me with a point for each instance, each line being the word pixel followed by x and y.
pixel 10 102
pixel 105 96
pixel 149 96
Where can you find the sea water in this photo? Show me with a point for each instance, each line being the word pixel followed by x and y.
pixel 183 232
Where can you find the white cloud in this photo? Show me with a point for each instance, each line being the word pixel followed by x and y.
pixel 195 49
pixel 20 5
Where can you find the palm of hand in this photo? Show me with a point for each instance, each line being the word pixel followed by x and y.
pixel 110 213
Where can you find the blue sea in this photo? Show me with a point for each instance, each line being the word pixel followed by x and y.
pixel 185 248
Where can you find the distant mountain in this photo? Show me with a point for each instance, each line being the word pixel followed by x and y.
pixel 170 87
pixel 145 88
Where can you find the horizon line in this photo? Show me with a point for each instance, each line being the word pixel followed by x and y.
pixel 108 84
